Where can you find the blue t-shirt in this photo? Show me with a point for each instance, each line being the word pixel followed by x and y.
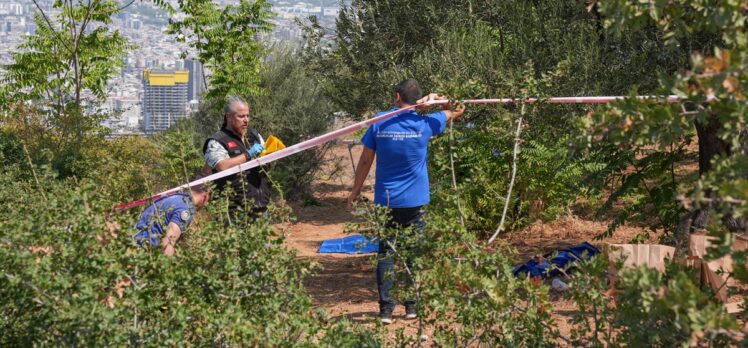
pixel 401 145
pixel 154 221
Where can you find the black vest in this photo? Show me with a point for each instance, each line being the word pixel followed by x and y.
pixel 250 184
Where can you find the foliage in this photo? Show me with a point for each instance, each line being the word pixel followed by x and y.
pixel 482 171
pixel 182 155
pixel 576 48
pixel 295 109
pixel 647 308
pixel 132 168
pixel 68 55
pixel 712 109
pixel 370 39
pixel 71 275
pixel 225 39
pixel 466 293
pixel 646 180
pixel 469 296
pixel 481 45
pixel 558 180
pixel 475 289
pixel 555 48
pixel 12 154
pixel 637 154
pixel 483 162
pixel 62 71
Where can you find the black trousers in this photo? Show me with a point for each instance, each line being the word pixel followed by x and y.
pixel 238 217
pixel 399 218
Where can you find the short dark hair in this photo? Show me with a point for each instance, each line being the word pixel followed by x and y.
pixel 409 91
pixel 200 188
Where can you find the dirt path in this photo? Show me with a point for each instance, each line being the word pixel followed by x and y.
pixel 345 286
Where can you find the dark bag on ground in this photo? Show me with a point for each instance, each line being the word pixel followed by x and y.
pixel 561 263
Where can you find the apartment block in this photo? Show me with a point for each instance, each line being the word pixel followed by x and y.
pixel 164 98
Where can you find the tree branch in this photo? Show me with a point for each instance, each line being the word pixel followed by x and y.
pixel 78 71
pixel 124 7
pixel 454 178
pixel 33 171
pixel 514 173
pixel 51 27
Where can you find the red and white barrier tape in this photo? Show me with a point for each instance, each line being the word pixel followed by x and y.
pixel 304 145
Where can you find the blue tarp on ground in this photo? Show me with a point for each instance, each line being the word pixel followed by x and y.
pixel 355 244
pixel 563 260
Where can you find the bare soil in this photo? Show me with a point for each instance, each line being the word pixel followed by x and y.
pixel 345 285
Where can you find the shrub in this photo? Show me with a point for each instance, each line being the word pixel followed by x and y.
pixel 71 275
pixel 647 308
pixel 295 109
pixel 466 292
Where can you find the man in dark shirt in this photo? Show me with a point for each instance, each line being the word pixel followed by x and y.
pixel 234 144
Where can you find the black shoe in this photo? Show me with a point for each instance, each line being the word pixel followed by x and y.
pixel 385 317
pixel 411 312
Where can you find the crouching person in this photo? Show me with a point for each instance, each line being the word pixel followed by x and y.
pixel 164 221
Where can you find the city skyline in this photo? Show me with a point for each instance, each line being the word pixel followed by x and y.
pixel 144 25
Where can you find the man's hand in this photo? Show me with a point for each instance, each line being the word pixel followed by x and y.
pixel 170 239
pixel 362 170
pixel 426 99
pixel 255 150
pixel 457 110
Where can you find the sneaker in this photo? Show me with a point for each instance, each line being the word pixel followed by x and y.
pixel 385 317
pixel 411 312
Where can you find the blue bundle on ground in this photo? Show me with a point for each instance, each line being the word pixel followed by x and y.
pixel 562 262
pixel 355 244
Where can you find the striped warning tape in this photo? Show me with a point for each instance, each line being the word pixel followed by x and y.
pixel 304 145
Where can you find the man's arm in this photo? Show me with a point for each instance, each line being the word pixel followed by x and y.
pixel 216 157
pixel 455 113
pixel 172 235
pixel 230 162
pixel 447 108
pixel 362 171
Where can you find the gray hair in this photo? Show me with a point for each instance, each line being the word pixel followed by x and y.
pixel 230 101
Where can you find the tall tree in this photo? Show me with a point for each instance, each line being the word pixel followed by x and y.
pixel 70 53
pixel 375 40
pixel 488 49
pixel 227 42
pixel 713 86
pixel 62 70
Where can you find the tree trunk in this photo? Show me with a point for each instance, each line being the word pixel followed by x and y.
pixel 710 146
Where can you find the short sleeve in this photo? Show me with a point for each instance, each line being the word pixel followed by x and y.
pixel 180 216
pixel 437 122
pixel 369 139
pixel 215 153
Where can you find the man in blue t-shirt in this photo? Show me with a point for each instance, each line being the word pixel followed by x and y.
pixel 164 221
pixel 400 146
